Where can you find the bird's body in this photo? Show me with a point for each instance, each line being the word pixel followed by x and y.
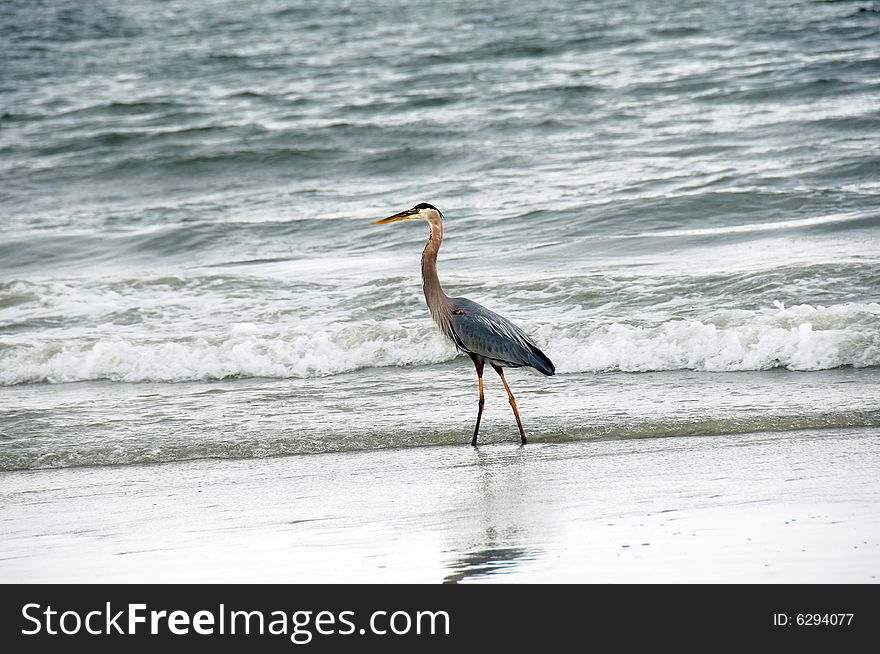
pixel 482 334
pixel 493 338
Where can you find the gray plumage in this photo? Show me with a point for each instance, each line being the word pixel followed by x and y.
pixel 472 327
pixel 484 335
pixel 476 330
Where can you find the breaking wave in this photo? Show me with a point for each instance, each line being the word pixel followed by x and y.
pixel 247 350
pixel 802 337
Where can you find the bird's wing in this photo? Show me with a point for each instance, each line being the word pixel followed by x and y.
pixel 479 331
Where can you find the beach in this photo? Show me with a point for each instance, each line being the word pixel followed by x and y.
pixel 214 366
pixel 793 505
pixel 745 509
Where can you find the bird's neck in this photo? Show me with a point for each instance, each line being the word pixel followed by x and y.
pixel 438 301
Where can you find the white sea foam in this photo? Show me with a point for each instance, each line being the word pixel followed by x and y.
pixel 246 350
pixel 802 337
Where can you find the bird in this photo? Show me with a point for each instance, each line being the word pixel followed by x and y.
pixel 483 335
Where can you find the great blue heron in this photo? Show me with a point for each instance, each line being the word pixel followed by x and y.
pixel 485 336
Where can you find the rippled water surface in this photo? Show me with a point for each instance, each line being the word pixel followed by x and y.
pixel 680 202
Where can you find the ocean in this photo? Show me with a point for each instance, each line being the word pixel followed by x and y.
pixel 679 202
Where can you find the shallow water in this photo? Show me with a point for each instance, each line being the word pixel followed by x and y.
pixel 110 423
pixel 679 203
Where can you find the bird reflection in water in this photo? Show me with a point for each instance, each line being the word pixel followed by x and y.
pixel 485 562
pixel 497 534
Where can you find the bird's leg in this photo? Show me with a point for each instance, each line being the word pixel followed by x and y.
pixel 522 433
pixel 478 364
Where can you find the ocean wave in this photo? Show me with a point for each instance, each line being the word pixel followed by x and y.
pixel 246 350
pixel 801 337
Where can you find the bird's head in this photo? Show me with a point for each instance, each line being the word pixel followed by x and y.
pixel 423 211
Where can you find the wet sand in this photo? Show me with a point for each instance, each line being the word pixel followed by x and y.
pixel 798 506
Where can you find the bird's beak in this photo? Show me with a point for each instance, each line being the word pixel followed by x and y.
pixel 409 214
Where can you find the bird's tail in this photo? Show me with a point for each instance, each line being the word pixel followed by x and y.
pixel 542 363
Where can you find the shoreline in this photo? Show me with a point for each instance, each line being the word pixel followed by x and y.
pixel 107 423
pixel 762 507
